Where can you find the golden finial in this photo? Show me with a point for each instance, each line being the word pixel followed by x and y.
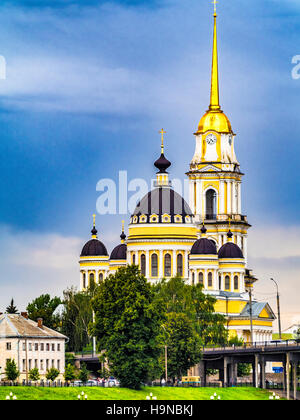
pixel 94 220
pixel 229 219
pixel 215 2
pixel 123 225
pixel 123 236
pixel 162 132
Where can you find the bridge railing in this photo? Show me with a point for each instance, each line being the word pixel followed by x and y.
pixel 256 345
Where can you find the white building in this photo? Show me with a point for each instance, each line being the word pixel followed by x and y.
pixel 31 345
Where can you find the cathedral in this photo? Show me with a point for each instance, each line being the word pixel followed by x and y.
pixel 203 241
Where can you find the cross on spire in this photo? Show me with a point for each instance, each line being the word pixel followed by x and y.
pixel 162 132
pixel 215 2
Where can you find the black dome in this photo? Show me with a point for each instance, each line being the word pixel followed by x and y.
pixel 162 164
pixel 94 248
pixel 163 200
pixel 204 246
pixel 230 250
pixel 119 253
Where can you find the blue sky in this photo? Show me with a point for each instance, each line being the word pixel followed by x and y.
pixel 90 83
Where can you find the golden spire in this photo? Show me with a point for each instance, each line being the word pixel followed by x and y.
pixel 162 132
pixel 123 236
pixel 94 230
pixel 214 93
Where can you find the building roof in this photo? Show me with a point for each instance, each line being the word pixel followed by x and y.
pixel 17 326
pixel 257 308
pixel 204 246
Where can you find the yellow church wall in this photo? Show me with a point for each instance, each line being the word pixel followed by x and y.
pixel 264 314
pixel 180 232
pixel 234 306
pixel 247 322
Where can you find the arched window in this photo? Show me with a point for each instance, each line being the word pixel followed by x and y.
pixel 168 265
pixel 227 283
pixel 154 265
pixel 180 265
pixel 201 279
pixel 100 277
pixel 211 205
pixel 84 280
pixel 210 279
pixel 133 260
pixel 193 279
pixel 220 282
pixel 92 279
pixel 236 283
pixel 143 264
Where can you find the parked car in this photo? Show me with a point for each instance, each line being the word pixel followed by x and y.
pixel 111 382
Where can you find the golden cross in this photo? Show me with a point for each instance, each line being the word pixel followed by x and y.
pixel 123 225
pixel 215 2
pixel 162 132
pixel 94 219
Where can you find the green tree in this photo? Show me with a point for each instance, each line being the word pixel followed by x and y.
pixel 244 369
pixel 52 374
pixel 178 297
pixel 34 375
pixel 70 373
pixel 126 325
pixel 77 316
pixel 11 371
pixel 84 373
pixel 183 344
pixel 44 307
pixel 12 309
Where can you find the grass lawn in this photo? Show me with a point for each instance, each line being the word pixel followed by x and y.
pixel 31 393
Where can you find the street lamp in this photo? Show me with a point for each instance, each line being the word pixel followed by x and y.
pixel 166 355
pixel 278 309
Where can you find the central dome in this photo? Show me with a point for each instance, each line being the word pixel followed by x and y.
pixel 161 202
pixel 94 248
pixel 214 121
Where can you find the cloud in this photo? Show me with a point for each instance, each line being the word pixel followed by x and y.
pixel 274 252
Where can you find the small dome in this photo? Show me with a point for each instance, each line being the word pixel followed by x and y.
pixel 214 121
pixel 230 250
pixel 204 246
pixel 162 164
pixel 94 248
pixel 119 253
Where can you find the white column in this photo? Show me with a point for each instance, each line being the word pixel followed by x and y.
pixel 222 197
pixel 229 195
pixel 174 263
pixel 161 272
pixel 239 198
pixel 186 265
pixel 234 198
pixel 192 197
pixel 147 265
pixel 199 197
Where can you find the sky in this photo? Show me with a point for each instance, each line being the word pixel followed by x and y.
pixel 88 86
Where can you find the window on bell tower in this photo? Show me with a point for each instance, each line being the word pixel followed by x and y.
pixel 211 204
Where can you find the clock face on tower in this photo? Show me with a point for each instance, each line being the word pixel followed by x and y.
pixel 211 139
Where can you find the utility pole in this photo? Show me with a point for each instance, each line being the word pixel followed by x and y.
pixel 251 313
pixel 278 309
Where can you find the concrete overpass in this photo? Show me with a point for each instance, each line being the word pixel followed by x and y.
pixel 226 359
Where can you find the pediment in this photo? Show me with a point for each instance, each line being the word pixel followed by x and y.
pixel 210 168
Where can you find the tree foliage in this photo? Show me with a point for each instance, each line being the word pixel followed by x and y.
pixel 11 371
pixel 12 309
pixel 70 373
pixel 34 375
pixel 44 307
pixel 52 374
pixel 77 316
pixel 84 373
pixel 183 344
pixel 126 325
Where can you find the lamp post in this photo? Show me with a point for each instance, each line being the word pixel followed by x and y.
pixel 166 355
pixel 278 309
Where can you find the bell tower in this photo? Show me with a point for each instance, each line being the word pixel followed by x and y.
pixel 215 177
